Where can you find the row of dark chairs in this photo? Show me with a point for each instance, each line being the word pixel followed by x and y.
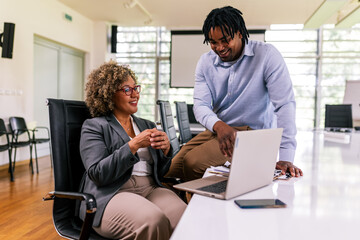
pixel 19 136
pixel 167 123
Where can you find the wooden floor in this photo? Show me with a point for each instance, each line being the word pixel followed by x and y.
pixel 23 214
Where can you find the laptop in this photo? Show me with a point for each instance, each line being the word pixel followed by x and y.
pixel 252 166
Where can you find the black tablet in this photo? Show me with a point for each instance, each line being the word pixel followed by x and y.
pixel 260 203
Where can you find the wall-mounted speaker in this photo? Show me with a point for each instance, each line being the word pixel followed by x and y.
pixel 113 38
pixel 7 40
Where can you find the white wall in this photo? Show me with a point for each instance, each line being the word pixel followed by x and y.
pixel 46 19
pixel 100 46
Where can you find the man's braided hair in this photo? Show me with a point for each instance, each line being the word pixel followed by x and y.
pixel 229 20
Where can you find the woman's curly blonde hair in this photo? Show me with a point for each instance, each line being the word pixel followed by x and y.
pixel 102 84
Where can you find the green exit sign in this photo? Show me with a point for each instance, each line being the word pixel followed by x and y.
pixel 68 17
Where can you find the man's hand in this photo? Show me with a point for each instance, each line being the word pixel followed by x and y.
pixel 226 137
pixel 286 166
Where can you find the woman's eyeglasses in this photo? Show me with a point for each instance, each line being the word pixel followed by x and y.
pixel 129 90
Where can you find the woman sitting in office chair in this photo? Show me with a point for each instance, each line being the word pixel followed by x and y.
pixel 125 158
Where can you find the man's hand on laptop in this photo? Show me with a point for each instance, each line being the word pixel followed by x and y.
pixel 226 137
pixel 286 166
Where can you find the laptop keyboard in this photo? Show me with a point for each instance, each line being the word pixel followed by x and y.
pixel 218 187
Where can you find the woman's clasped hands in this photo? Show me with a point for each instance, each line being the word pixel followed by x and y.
pixel 150 137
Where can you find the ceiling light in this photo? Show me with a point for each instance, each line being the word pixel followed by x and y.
pixel 133 3
pixel 323 13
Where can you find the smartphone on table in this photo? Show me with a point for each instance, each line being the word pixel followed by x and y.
pixel 260 203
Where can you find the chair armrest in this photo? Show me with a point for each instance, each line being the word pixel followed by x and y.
pixel 90 208
pixel 36 129
pixel 40 127
pixel 6 132
pixel 14 133
pixel 88 198
pixel 22 129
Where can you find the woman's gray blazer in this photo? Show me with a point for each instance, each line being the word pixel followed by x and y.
pixel 108 161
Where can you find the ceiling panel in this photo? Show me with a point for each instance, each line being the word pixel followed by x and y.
pixel 191 13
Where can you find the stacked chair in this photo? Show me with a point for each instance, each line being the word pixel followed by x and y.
pixel 6 146
pixel 21 137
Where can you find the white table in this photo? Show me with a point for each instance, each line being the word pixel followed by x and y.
pixel 323 204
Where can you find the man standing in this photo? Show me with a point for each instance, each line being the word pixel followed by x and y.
pixel 240 84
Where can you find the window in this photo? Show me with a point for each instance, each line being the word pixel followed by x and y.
pixel 299 49
pixel 319 62
pixel 147 51
pixel 340 62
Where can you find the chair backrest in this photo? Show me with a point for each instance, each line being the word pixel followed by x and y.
pixel 192 118
pixel 66 119
pixel 182 117
pixel 18 125
pixel 338 116
pixel 167 124
pixel 3 131
pixel 2 127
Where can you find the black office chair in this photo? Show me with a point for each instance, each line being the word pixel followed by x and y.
pixel 66 119
pixel 167 124
pixel 338 116
pixel 182 117
pixel 6 146
pixel 192 118
pixel 20 138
